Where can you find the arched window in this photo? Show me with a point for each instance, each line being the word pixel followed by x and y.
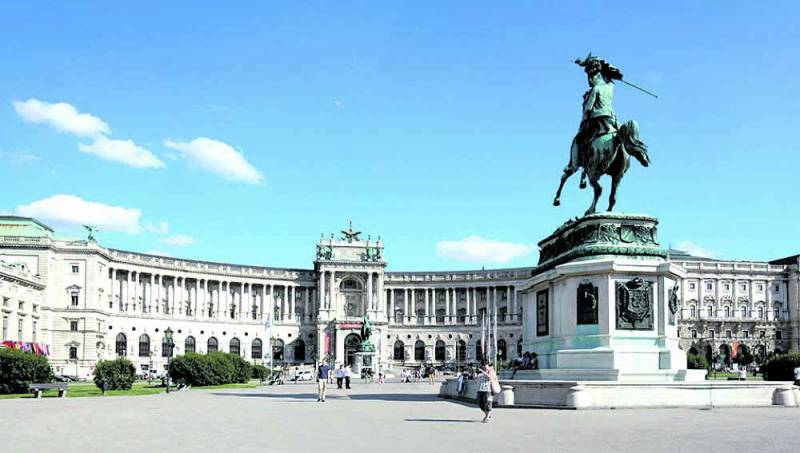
pixel 256 351
pixel 502 350
pixel 166 348
pixel 277 350
pixel 461 351
pixel 188 345
pixel 212 345
pixel 760 312
pixel 438 351
pixel 419 351
pixel 743 311
pixel 234 347
pixel 692 311
pixel 144 345
pixel 710 311
pixel 399 350
pixel 122 345
pixel 776 311
pixel 727 311
pixel 299 350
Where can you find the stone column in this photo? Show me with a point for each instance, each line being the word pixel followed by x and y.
pixel 125 288
pixel 468 302
pixel 509 309
pixel 285 303
pixel 306 307
pixel 321 293
pixel 368 303
pixel 426 301
pixel 414 304
pixel 332 303
pixel 114 290
pixel 391 306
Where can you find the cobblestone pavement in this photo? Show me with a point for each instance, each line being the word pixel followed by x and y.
pixel 384 418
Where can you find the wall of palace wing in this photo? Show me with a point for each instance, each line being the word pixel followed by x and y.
pixel 91 303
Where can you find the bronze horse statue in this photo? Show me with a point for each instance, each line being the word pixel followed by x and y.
pixel 608 154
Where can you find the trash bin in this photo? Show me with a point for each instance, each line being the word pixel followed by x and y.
pixel 506 396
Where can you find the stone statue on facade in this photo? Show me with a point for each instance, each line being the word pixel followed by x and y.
pixel 602 146
pixel 91 232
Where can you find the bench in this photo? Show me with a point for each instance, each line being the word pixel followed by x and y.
pixel 38 387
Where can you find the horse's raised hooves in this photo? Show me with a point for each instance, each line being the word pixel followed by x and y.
pixel 583 185
pixel 556 202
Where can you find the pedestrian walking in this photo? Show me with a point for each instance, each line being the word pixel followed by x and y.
pixel 339 376
pixel 347 373
pixel 488 385
pixel 380 377
pixel 322 381
pixel 431 374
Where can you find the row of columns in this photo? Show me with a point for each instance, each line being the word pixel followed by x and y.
pixel 429 300
pixel 212 299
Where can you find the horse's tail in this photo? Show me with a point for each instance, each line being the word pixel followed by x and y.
pixel 629 133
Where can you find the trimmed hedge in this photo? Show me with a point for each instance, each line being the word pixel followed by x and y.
pixel 214 368
pixel 781 367
pixel 117 374
pixel 260 372
pixel 18 369
pixel 696 362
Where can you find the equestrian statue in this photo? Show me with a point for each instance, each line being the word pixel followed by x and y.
pixel 602 146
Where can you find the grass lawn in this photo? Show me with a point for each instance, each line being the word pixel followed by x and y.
pixel 722 376
pixel 85 389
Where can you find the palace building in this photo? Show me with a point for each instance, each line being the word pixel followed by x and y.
pixel 81 302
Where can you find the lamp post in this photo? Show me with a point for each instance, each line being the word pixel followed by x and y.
pixel 170 345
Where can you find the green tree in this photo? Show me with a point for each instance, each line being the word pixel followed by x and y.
pixel 117 374
pixel 18 369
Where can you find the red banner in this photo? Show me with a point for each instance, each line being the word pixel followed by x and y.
pixel 351 325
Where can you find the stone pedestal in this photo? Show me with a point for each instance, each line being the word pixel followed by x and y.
pixel 363 361
pixel 602 303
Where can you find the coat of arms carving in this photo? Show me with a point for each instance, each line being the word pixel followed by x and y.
pixel 673 303
pixel 635 305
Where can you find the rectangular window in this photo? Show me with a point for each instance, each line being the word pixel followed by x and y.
pixel 21 305
pixel 743 286
pixel 75 269
pixel 712 334
pixel 709 286
pixel 19 330
pixel 74 300
pixel 728 334
pixel 778 335
pixel 746 334
pixel 762 333
pixel 73 353
pixel 727 287
pixel 777 288
pixel 35 308
pixel 694 333
pixel 73 326
pixel 5 301
pixel 692 286
pixel 760 288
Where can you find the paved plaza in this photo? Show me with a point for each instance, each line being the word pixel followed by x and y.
pixel 387 418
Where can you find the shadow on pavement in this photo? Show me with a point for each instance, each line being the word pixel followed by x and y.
pixel 332 396
pixel 440 420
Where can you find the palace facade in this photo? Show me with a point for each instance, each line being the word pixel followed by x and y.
pixel 85 302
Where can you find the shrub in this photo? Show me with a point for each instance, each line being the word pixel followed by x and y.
pixel 117 374
pixel 696 362
pixel 260 372
pixel 781 367
pixel 18 369
pixel 214 368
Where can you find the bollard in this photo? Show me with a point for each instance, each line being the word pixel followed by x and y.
pixel 506 396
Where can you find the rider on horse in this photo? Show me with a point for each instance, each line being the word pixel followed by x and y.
pixel 598 115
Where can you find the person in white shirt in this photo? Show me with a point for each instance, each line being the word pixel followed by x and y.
pixel 742 373
pixel 340 376
pixel 797 376
pixel 347 373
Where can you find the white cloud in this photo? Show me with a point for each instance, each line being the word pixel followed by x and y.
pixel 70 211
pixel 61 116
pixel 217 157
pixel 696 250
pixel 478 249
pixel 157 228
pixel 124 151
pixel 179 240
pixel 18 157
pixel 158 253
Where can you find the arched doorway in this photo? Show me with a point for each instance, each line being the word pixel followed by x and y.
pixel 399 351
pixel 461 351
pixel 351 345
pixel 502 350
pixel 299 351
pixel 725 354
pixel 438 352
pixel 693 350
pixel 277 350
pixel 419 351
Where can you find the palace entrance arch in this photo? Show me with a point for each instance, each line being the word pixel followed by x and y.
pixel 351 345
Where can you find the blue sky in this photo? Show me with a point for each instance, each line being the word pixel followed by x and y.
pixel 241 133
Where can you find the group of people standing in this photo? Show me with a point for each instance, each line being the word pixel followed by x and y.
pixel 325 376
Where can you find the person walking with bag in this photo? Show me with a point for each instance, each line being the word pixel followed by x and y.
pixel 488 386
